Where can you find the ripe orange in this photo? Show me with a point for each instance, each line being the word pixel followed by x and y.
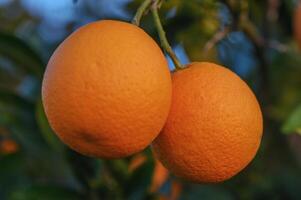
pixel 297 24
pixel 107 90
pixel 214 126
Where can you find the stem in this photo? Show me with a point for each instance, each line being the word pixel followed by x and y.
pixel 162 35
pixel 140 12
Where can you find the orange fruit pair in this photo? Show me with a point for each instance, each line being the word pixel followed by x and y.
pixel 108 93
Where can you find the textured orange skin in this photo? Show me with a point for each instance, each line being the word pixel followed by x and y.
pixel 297 24
pixel 107 90
pixel 214 127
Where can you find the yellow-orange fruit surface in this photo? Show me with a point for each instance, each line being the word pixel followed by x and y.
pixel 214 127
pixel 297 24
pixel 107 90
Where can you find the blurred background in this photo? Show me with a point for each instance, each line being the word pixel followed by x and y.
pixel 254 38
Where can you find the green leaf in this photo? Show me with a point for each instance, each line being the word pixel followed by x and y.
pixel 140 180
pixel 45 128
pixel 118 169
pixel 207 192
pixel 21 53
pixel 18 116
pixel 44 192
pixel 293 123
pixel 11 98
pixel 12 173
pixel 14 109
pixel 84 168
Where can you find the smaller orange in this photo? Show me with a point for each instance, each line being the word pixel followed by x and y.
pixel 214 127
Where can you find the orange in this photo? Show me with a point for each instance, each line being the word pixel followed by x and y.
pixel 8 146
pixel 107 90
pixel 214 126
pixel 297 24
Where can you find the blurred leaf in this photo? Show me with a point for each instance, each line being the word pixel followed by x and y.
pixel 293 123
pixel 17 115
pixel 8 80
pixel 21 53
pixel 83 167
pixel 207 192
pixel 45 128
pixel 11 98
pixel 118 169
pixel 44 192
pixel 16 111
pixel 12 173
pixel 140 180
pixel 285 84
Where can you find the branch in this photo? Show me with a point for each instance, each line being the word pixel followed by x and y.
pixel 243 23
pixel 141 11
pixel 166 46
pixel 274 44
pixel 217 37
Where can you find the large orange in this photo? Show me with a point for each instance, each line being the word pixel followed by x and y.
pixel 107 90
pixel 214 127
pixel 297 24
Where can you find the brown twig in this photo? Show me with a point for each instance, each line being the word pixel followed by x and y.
pixel 141 11
pixel 241 21
pixel 274 44
pixel 217 37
